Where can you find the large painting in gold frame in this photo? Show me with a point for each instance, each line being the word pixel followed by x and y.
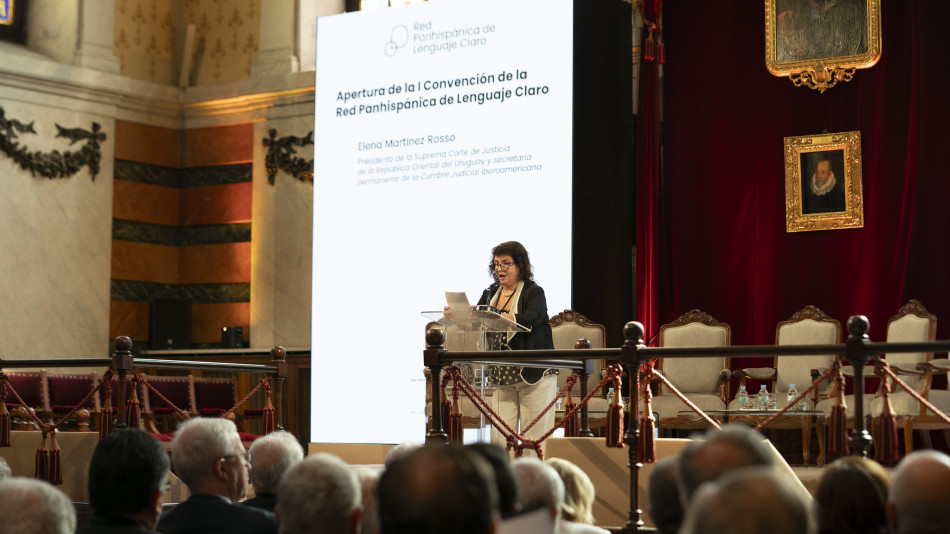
pixel 818 43
pixel 823 182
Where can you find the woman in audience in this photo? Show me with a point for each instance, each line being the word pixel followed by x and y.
pixel 851 497
pixel 578 491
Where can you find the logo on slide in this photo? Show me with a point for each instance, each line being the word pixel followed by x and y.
pixel 397 39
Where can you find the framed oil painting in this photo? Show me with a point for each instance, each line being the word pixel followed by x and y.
pixel 823 182
pixel 818 43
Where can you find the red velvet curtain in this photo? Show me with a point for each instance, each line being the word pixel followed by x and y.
pixel 725 248
pixel 648 176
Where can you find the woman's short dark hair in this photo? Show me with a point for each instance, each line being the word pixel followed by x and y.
pixel 851 497
pixel 518 254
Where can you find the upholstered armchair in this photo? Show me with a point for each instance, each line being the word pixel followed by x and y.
pixel 567 328
pixel 705 381
pixel 808 326
pixel 914 323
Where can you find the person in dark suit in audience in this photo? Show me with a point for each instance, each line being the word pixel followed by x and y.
pixel 208 456
pixel 128 476
pixel 664 497
pixel 271 456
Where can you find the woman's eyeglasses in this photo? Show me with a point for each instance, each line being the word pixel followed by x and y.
pixel 502 266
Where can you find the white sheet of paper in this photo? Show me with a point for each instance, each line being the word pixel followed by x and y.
pixel 457 300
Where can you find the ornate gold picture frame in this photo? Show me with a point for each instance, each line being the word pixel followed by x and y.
pixel 823 182
pixel 818 43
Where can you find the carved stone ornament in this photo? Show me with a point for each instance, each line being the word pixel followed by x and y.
pixel 281 155
pixel 819 43
pixel 54 164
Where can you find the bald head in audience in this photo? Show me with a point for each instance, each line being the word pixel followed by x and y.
pixel 319 494
pixel 29 506
pixel 733 447
pixel 753 500
pixel 919 494
pixel 438 489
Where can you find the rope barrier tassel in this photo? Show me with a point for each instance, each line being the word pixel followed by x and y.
pixel 571 426
pixel 41 463
pixel 615 418
pixel 455 426
pixel 838 427
pixel 55 465
pixel 269 418
pixel 4 417
pixel 105 423
pixel 132 406
pixel 646 445
pixel 885 443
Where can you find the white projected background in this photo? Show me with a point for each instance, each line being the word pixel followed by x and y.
pixel 440 131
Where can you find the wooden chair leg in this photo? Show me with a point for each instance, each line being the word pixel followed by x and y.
pixel 821 430
pixel 925 439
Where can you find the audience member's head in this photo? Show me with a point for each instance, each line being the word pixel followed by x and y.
pixel 270 456
pixel 127 477
pixel 369 481
pixel 30 506
pixel 851 497
pixel 664 496
pixel 539 486
pixel 435 489
pixel 5 471
pixel 578 491
pixel 752 500
pixel 919 493
pixel 209 458
pixel 319 494
pixel 733 447
pixel 497 457
pixel 399 450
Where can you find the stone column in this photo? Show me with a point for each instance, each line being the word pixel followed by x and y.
pixel 94 40
pixel 275 55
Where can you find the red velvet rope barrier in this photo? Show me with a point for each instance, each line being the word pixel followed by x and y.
pixel 685 400
pixel 513 439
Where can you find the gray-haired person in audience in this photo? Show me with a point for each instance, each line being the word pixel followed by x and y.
pixel 540 487
pixel 368 477
pixel 29 506
pixel 705 460
pixel 5 471
pixel 751 500
pixel 438 489
pixel 127 478
pixel 919 493
pixel 319 494
pixel 664 496
pixel 270 457
pixel 208 456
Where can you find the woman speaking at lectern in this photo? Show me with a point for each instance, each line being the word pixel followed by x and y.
pixel 522 392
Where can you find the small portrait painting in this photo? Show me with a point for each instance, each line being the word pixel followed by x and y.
pixel 823 181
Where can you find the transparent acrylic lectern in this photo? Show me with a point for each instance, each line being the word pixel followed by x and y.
pixel 478 329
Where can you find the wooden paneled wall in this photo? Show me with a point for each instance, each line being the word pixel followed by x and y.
pixel 182 227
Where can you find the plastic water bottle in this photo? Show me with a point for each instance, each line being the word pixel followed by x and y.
pixel 792 394
pixel 742 398
pixel 763 398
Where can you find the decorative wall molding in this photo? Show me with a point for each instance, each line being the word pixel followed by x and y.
pixel 53 164
pixel 281 156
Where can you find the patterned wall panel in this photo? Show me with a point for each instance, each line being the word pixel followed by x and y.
pixel 150 35
pixel 183 232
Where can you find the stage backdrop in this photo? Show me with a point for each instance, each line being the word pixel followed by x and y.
pixel 727 250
